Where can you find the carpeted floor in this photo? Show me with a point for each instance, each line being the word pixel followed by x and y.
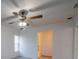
pixel 20 57
pixel 42 57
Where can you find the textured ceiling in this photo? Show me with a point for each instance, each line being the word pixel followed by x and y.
pixel 56 13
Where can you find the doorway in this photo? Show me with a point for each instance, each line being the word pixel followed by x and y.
pixel 45 44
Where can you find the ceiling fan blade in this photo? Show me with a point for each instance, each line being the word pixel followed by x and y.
pixel 16 14
pixel 14 3
pixel 76 5
pixel 48 5
pixel 35 17
pixel 12 22
pixel 7 19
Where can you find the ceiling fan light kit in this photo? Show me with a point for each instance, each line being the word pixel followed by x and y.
pixel 22 24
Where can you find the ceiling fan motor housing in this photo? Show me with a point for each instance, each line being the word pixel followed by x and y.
pixel 23 12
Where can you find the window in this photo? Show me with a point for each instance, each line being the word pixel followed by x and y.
pixel 16 43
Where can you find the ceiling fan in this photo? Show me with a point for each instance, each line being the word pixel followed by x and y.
pixel 23 18
pixel 21 15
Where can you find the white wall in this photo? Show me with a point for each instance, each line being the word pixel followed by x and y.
pixel 29 41
pixel 76 43
pixel 29 44
pixel 7 42
pixel 62 43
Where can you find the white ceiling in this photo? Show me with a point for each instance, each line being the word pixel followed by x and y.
pixel 54 14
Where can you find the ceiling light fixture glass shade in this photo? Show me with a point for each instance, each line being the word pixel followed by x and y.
pixel 22 24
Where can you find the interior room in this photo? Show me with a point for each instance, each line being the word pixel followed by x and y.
pixel 39 29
